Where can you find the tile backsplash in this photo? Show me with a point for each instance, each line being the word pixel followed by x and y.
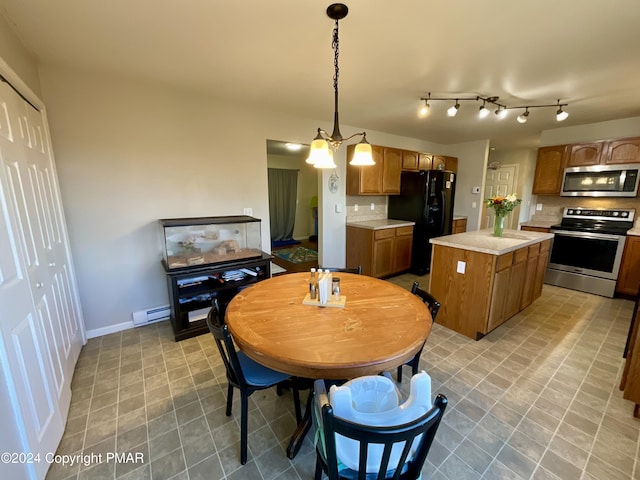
pixel 553 206
pixel 359 207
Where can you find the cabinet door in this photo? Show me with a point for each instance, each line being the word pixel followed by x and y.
pixel 438 162
pixel 391 171
pixel 623 151
pixel 382 264
pixel 549 168
pixel 425 161
pixel 498 299
pixel 529 280
pixel 402 249
pixel 536 229
pixel 451 164
pixel 409 161
pixel 629 277
pixel 541 268
pixel 516 283
pixel 585 154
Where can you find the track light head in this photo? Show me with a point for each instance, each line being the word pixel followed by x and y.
pixel 561 115
pixel 483 112
pixel 452 112
pixel 501 113
pixel 426 109
pixel 523 118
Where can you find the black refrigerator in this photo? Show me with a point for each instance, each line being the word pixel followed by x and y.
pixel 426 198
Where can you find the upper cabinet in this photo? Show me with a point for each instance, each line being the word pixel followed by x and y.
pixel 549 167
pixel 584 154
pixel 626 150
pixel 383 178
pixel 553 160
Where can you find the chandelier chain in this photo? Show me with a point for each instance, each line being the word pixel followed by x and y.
pixel 336 49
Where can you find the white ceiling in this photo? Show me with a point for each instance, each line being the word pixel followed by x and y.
pixel 278 55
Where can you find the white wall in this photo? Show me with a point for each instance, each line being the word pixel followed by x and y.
pixel 625 127
pixel 129 153
pixel 472 165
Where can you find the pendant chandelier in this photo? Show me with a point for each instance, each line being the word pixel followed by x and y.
pixel 324 145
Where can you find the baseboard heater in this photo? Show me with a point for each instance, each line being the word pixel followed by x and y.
pixel 152 315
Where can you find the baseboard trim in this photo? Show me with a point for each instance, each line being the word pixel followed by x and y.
pixel 98 332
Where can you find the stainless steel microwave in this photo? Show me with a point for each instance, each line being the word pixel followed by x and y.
pixel 601 181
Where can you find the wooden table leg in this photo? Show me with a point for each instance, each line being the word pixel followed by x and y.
pixel 301 431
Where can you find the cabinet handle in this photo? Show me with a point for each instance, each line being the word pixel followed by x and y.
pixel 39 284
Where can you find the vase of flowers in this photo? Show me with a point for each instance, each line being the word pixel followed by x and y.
pixel 502 205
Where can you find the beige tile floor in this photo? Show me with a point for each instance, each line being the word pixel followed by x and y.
pixel 537 398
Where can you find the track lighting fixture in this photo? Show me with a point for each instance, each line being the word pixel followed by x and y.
pixel 501 111
pixel 454 109
pixel 561 114
pixel 324 145
pixel 523 118
pixel 484 111
pixel 424 111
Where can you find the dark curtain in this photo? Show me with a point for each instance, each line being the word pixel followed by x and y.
pixel 283 192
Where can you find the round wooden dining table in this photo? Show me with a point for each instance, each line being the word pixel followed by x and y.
pixel 380 327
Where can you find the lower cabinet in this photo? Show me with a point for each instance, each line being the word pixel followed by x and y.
pixel 629 276
pixel 381 252
pixel 630 383
pixel 480 291
pixel 191 291
pixel 459 225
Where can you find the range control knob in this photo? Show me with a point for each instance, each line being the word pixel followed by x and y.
pixel 616 213
pixel 570 212
pixel 625 214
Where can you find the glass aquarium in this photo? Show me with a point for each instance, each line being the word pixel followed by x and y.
pixel 202 241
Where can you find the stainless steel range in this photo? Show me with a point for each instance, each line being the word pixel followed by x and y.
pixel 587 249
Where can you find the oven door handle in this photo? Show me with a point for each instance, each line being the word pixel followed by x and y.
pixel 602 236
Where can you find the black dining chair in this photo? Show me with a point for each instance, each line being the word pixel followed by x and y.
pixel 413 438
pixel 357 270
pixel 245 374
pixel 433 305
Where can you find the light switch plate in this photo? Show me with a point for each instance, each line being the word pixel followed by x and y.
pixel 462 266
pixel 248 211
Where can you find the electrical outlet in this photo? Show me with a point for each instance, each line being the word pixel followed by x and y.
pixel 355 207
pixel 538 207
pixel 248 211
pixel 462 266
pixel 373 206
pixel 474 204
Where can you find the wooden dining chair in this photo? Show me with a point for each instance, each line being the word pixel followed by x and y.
pixel 433 305
pixel 245 374
pixel 357 270
pixel 384 451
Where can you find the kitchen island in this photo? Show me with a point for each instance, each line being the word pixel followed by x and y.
pixel 481 281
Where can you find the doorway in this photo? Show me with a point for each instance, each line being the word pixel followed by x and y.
pixel 500 181
pixel 282 156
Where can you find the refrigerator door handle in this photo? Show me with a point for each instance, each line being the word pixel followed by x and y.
pixel 442 213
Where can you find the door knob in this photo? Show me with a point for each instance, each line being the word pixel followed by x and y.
pixel 52 264
pixel 39 284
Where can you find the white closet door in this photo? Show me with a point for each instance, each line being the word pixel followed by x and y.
pixel 41 328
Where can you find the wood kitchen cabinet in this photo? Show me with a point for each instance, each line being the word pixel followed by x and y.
pixel 584 154
pixel 630 382
pixel 535 229
pixel 626 150
pixel 380 252
pixel 443 162
pixel 629 276
pixel 383 178
pixel 459 225
pixel 550 166
pixel 414 161
pixel 479 291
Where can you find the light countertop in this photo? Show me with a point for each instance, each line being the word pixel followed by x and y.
pixel 380 224
pixel 635 231
pixel 483 241
pixel 459 217
pixel 540 223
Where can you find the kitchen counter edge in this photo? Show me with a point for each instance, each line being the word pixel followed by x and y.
pixel 483 241
pixel 381 224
